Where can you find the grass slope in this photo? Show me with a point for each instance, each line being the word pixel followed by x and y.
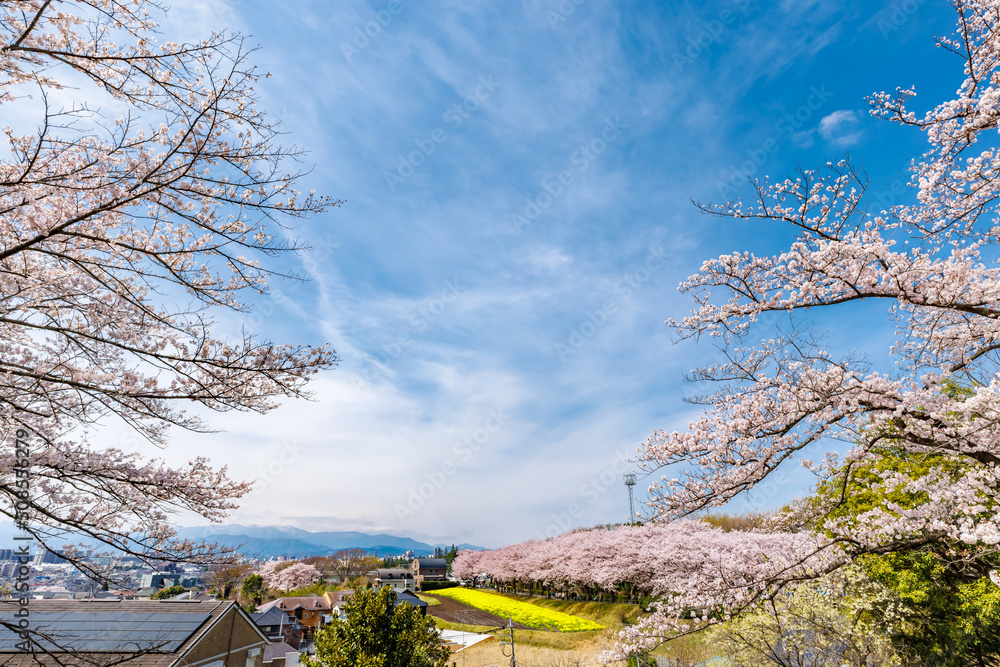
pixel 521 611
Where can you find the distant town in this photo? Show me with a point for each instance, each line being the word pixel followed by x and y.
pixel 280 599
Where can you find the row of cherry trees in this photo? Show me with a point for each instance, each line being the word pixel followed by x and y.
pixel 671 560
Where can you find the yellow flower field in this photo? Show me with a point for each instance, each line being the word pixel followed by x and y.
pixel 521 612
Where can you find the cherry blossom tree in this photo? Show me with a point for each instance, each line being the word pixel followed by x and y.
pixel 690 565
pixel 140 191
pixel 297 575
pixel 932 264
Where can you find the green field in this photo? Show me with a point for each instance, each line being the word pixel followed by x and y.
pixel 531 615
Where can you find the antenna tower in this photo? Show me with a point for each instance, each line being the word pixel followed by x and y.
pixel 630 482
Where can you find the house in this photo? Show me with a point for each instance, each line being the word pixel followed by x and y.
pixel 272 623
pixel 337 597
pixel 277 655
pixel 193 595
pixel 336 600
pixel 409 598
pixel 139 633
pixel 307 612
pixel 429 569
pixel 399 579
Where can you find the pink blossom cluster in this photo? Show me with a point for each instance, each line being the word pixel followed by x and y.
pixel 118 236
pixel 932 263
pixel 290 578
pixel 690 566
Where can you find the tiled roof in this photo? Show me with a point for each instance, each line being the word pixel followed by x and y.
pixel 277 650
pixel 270 616
pixel 290 604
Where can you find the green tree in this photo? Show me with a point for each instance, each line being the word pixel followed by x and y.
pixel 377 633
pixel 948 608
pixel 253 590
pixel 838 621
pixel 167 593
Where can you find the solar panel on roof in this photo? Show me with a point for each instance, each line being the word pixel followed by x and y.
pixel 105 631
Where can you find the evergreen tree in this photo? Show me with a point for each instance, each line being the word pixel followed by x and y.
pixel 377 633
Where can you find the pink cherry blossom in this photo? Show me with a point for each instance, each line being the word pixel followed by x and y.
pixel 689 566
pixel 786 394
pixel 141 203
pixel 298 575
pixel 933 264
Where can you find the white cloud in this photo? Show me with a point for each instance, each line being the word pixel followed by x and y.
pixel 841 128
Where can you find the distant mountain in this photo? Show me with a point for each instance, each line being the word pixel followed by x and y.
pixel 271 541
pixel 268 541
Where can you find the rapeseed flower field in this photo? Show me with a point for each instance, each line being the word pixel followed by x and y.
pixel 521 612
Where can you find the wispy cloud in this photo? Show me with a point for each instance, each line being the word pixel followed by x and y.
pixel 841 128
pixel 425 363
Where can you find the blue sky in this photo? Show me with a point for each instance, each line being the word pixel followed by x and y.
pixel 518 181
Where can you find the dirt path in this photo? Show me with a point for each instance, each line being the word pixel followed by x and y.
pixel 454 611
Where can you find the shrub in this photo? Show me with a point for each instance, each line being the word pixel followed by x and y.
pixel 436 585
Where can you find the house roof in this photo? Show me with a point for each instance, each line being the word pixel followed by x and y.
pixel 393 573
pixel 193 595
pixel 409 598
pixel 437 563
pixel 338 596
pixel 277 650
pixel 270 616
pixel 145 633
pixel 291 604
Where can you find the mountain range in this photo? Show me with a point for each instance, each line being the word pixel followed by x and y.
pixel 269 541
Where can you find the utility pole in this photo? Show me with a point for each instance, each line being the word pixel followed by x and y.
pixel 630 482
pixel 507 639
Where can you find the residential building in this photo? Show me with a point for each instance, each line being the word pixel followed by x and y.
pixel 409 598
pixel 158 581
pixel 272 623
pixel 139 633
pixel 336 600
pixel 307 612
pixel 399 579
pixel 46 557
pixel 429 569
pixel 280 654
